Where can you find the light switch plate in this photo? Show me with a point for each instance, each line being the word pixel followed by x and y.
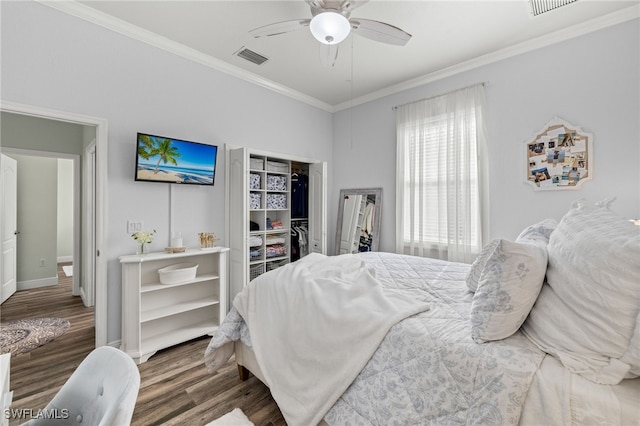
pixel 134 226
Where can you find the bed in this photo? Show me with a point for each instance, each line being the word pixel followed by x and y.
pixel 382 338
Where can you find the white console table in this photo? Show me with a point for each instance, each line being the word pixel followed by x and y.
pixel 156 316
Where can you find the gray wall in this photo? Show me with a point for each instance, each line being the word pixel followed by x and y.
pixel 39 134
pixel 42 135
pixel 56 61
pixel 53 60
pixel 37 220
pixel 592 81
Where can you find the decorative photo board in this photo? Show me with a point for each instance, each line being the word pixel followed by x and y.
pixel 560 156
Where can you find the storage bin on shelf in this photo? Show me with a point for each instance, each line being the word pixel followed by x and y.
pixel 276 264
pixel 254 200
pixel 276 183
pixel 276 201
pixel 256 163
pixel 254 181
pixel 177 273
pixel 256 270
pixel 276 166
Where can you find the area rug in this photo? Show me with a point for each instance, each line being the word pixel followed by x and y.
pixel 25 335
pixel 233 418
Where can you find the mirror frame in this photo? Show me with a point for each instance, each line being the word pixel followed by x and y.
pixel 376 224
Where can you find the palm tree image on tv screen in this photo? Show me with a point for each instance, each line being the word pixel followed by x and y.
pixel 162 159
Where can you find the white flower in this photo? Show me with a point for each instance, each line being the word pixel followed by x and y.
pixel 143 237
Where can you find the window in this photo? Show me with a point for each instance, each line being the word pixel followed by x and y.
pixel 440 147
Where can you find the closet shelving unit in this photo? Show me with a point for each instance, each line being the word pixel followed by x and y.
pixel 259 189
pixel 269 208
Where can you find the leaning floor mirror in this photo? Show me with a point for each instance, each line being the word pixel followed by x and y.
pixel 358 227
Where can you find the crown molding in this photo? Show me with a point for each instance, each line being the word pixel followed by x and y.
pixel 615 18
pixel 117 25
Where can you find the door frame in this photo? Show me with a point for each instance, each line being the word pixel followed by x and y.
pixel 88 227
pixel 101 254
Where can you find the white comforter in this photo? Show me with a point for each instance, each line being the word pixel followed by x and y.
pixel 314 324
pixel 426 370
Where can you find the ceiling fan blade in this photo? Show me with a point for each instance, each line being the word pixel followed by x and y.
pixel 279 28
pixel 379 31
pixel 328 54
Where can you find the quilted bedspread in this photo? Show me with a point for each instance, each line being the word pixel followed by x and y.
pixel 428 370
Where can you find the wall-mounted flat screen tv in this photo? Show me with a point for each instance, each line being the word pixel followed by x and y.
pixel 163 159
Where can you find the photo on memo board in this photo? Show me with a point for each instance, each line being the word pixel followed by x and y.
pixel 559 156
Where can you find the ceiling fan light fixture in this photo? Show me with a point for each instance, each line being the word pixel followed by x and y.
pixel 330 27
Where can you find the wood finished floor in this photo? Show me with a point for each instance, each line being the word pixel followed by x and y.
pixel 175 387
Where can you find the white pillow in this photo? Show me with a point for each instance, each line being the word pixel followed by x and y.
pixel 587 313
pixel 508 287
pixel 536 233
pixel 473 276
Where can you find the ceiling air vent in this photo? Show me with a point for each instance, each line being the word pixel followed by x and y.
pixel 539 7
pixel 251 56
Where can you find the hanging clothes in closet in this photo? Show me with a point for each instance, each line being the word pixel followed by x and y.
pixel 299 195
pixel 299 239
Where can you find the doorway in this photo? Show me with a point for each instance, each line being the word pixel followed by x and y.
pixel 48 213
pixel 92 243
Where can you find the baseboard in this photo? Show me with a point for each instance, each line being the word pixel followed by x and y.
pixel 65 259
pixel 41 282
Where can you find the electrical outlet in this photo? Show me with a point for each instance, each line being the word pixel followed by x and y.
pixel 134 226
pixel 43 263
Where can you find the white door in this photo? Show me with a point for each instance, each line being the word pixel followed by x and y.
pixel 8 224
pixel 318 208
pixel 237 190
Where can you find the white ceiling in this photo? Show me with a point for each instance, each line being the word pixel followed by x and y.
pixel 448 37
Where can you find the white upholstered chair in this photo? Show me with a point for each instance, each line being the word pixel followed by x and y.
pixel 101 391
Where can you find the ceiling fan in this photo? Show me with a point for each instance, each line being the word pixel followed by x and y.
pixel 330 24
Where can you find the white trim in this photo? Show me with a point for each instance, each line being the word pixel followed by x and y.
pixel 100 124
pixel 549 39
pixel 88 222
pixel 64 259
pixel 107 21
pixel 35 152
pixel 40 282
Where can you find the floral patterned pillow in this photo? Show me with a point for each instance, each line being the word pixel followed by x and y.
pixel 537 233
pixel 508 286
pixel 473 276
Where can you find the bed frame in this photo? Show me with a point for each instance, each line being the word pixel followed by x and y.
pixel 247 363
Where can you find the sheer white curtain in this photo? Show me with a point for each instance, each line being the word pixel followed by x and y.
pixel 441 169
